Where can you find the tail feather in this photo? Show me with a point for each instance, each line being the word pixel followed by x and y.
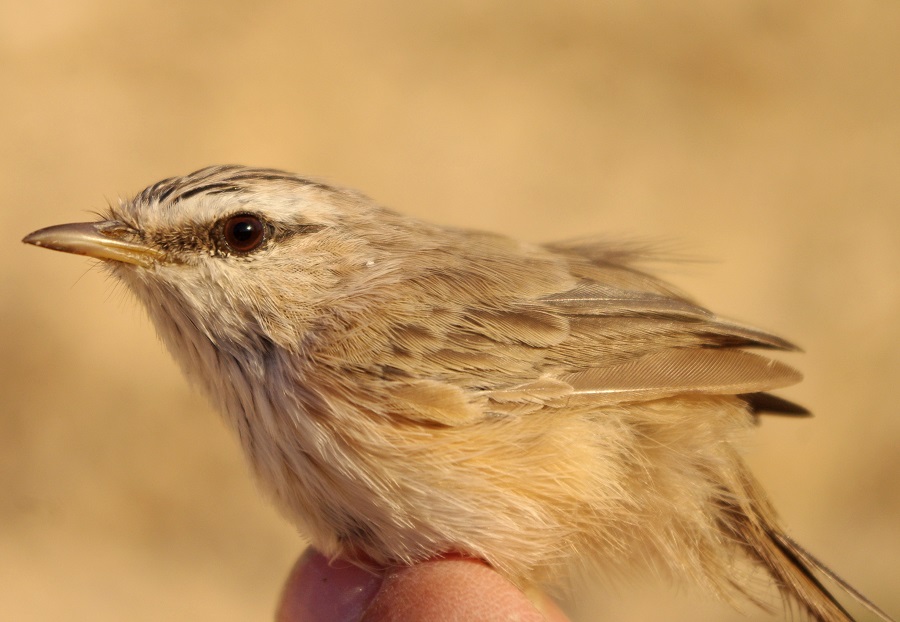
pixel 796 579
pixel 791 567
pixel 804 559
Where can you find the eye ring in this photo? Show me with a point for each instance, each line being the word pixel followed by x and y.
pixel 243 233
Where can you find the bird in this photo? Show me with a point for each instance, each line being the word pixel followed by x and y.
pixel 402 389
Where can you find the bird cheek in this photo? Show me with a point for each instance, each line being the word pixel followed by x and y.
pixel 279 329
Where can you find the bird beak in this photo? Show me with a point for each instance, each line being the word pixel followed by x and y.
pixel 108 240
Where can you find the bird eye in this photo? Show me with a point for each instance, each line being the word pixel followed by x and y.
pixel 243 233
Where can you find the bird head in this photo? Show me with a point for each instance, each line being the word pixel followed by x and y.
pixel 234 254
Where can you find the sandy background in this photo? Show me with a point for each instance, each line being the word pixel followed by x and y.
pixel 761 134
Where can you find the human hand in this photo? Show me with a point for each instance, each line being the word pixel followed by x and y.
pixel 440 590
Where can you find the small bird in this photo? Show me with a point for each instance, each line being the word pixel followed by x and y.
pixel 404 390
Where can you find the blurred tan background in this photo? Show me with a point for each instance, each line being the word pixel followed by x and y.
pixel 761 134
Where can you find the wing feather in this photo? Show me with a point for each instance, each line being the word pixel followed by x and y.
pixel 591 298
pixel 676 371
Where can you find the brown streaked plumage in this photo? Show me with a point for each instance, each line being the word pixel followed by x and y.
pixel 403 389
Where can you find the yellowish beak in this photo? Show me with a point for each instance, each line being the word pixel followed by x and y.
pixel 107 240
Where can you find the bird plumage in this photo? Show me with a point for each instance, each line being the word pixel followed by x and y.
pixel 403 389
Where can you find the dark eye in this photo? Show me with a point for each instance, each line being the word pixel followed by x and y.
pixel 244 233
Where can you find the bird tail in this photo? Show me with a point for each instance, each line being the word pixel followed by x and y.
pixel 792 567
pixel 803 560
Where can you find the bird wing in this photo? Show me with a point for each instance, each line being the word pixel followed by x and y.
pixel 628 345
pixel 516 329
